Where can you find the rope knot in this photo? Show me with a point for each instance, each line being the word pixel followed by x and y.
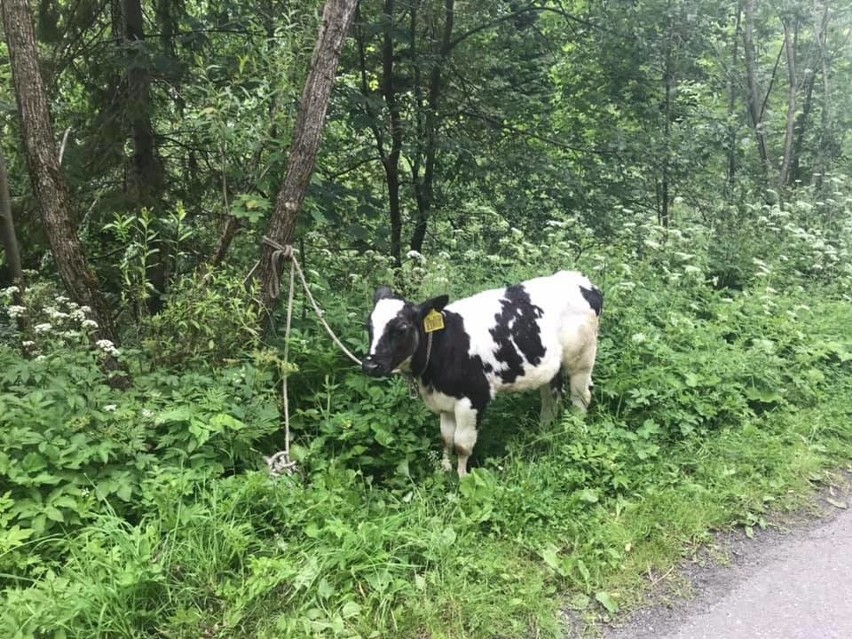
pixel 282 251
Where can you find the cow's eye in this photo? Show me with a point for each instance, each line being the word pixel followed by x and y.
pixel 399 329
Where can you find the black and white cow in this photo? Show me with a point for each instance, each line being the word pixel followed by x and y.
pixel 513 339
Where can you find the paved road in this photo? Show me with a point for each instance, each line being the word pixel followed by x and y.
pixel 796 585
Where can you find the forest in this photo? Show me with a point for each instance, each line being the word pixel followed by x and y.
pixel 163 161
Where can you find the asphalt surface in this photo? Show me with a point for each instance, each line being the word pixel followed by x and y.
pixel 790 583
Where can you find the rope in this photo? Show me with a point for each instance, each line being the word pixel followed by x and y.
pixel 282 252
pixel 280 463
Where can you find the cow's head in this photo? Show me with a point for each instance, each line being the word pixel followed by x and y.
pixel 396 330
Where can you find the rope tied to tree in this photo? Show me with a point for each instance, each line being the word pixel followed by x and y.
pixel 280 463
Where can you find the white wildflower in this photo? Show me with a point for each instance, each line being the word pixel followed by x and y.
pixel 28 343
pixel 42 328
pixel 415 255
pixel 16 311
pixel 85 309
pixel 147 413
pixel 639 338
pixel 40 358
pixel 107 346
pixel 11 290
pixel 87 323
pixel 110 408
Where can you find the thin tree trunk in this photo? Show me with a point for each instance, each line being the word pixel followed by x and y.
pixel 792 91
pixel 229 232
pixel 146 183
pixel 425 189
pixel 754 102
pixel 732 101
pixel 391 162
pixel 48 183
pixel 800 128
pixel 668 82
pixel 828 148
pixel 9 242
pixel 307 135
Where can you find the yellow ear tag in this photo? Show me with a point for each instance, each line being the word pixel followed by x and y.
pixel 434 321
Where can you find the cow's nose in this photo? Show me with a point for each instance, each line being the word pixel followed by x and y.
pixel 369 366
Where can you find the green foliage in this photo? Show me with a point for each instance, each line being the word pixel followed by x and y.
pixel 71 445
pixel 208 319
pixel 609 138
pixel 149 244
pixel 126 511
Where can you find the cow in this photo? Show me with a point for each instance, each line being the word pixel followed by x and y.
pixel 461 355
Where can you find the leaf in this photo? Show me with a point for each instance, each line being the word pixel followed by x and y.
pixel 54 514
pixel 124 492
pixel 579 602
pixel 837 504
pixel 179 414
pixel 605 599
pixel 419 582
pixel 351 609
pixel 589 495
pixel 550 556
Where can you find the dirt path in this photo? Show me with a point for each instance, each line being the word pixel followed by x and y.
pixel 794 582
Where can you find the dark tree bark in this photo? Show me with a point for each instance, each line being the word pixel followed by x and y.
pixel 48 183
pixel 307 135
pixel 229 232
pixel 732 102
pixel 791 33
pixel 389 159
pixel 424 186
pixel 754 103
pixel 828 146
pixel 9 242
pixel 146 177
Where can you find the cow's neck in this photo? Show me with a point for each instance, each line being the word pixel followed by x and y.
pixel 423 355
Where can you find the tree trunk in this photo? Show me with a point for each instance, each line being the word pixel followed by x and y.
pixel 801 126
pixel 732 102
pixel 792 91
pixel 146 179
pixel 828 147
pixel 391 162
pixel 307 136
pixel 425 188
pixel 9 242
pixel 754 102
pixel 48 183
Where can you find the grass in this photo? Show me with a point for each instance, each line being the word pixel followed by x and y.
pixel 497 555
pixel 710 414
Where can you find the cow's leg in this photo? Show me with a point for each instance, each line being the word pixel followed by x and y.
pixel 551 394
pixel 580 374
pixel 448 433
pixel 581 389
pixel 465 437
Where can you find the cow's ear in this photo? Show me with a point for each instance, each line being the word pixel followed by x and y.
pixel 381 293
pixel 436 303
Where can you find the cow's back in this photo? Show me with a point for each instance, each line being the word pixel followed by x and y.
pixel 524 333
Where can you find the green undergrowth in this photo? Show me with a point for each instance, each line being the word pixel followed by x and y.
pixel 148 512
